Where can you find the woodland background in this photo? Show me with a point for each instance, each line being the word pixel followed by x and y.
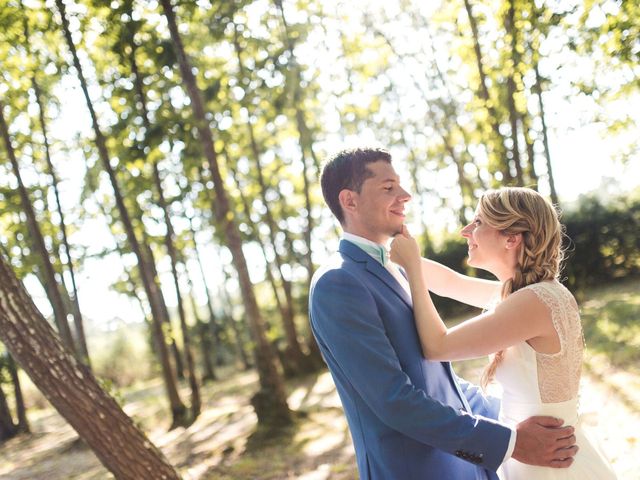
pixel 159 202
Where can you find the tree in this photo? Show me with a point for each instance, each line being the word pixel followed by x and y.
pixel 72 389
pixel 51 284
pixel 270 402
pixel 147 274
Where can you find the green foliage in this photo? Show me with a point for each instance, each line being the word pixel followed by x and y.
pixel 605 244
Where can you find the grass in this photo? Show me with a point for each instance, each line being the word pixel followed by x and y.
pixel 223 443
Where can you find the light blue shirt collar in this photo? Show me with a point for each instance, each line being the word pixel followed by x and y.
pixel 377 251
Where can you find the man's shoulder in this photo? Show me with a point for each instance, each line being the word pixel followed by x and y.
pixel 335 268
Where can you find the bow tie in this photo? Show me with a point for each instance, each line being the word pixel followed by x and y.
pixel 378 252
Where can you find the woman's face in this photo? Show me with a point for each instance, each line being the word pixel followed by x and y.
pixel 487 245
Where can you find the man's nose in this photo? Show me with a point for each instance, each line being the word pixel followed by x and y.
pixel 404 195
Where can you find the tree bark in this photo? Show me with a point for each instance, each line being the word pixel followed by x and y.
pixel 21 410
pixel 152 288
pixel 72 389
pixel 270 403
pixel 51 285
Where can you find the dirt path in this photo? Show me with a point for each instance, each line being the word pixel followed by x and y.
pixel 318 448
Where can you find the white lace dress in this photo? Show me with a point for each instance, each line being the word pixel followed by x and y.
pixel 547 384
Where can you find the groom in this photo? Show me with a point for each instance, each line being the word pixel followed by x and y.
pixel 410 418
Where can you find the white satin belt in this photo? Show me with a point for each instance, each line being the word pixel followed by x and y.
pixel 514 412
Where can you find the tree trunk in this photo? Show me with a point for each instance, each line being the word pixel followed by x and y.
pixel 7 427
pixel 530 170
pixel 483 92
pixel 152 288
pixel 545 139
pixel 51 285
pixel 77 315
pixel 305 141
pixel 270 403
pixel 295 361
pixel 72 389
pixel 228 312
pixel 21 410
pixel 213 322
pixel 186 340
pixel 510 28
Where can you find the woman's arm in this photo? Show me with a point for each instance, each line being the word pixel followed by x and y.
pixel 446 282
pixel 519 318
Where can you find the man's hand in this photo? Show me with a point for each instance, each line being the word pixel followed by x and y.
pixel 543 441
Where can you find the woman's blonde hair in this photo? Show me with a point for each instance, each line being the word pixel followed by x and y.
pixel 513 210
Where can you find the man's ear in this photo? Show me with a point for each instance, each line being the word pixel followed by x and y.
pixel 513 240
pixel 348 200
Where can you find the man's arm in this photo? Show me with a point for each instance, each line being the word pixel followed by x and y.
pixel 345 319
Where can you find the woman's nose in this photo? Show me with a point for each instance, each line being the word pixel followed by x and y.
pixel 466 231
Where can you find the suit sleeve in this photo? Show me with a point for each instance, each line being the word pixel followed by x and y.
pixel 346 322
pixel 480 403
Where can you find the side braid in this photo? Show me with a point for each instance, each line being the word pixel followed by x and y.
pixel 524 211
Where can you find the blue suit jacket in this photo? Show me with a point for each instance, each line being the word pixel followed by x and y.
pixel 410 418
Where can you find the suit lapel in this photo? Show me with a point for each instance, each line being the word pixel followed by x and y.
pixel 356 254
pixel 374 267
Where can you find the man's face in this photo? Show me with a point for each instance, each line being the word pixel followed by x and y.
pixel 377 212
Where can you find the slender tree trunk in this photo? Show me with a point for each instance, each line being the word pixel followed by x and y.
pixel 294 361
pixel 7 427
pixel 305 141
pixel 483 92
pixel 72 389
pixel 205 341
pixel 530 170
pixel 545 139
pixel 513 62
pixel 213 321
pixel 186 337
pixel 270 402
pixel 77 315
pixel 152 289
pixel 51 285
pixel 169 329
pixel 228 313
pixel 142 99
pixel 21 410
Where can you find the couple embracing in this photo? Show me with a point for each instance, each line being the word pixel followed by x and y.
pixel 410 416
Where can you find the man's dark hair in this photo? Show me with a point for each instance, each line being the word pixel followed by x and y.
pixel 348 170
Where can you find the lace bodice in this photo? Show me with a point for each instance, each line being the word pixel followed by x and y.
pixel 543 377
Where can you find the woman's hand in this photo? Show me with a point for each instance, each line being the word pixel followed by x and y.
pixel 405 250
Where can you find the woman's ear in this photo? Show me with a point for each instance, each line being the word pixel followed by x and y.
pixel 514 240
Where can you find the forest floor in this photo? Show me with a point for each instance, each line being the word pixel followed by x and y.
pixel 222 443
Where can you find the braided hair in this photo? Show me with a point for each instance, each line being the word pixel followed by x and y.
pixel 513 210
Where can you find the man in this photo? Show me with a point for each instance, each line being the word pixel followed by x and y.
pixel 410 418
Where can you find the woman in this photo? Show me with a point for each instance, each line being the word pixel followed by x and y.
pixel 531 322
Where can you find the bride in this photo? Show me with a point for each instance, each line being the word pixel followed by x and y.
pixel 531 322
